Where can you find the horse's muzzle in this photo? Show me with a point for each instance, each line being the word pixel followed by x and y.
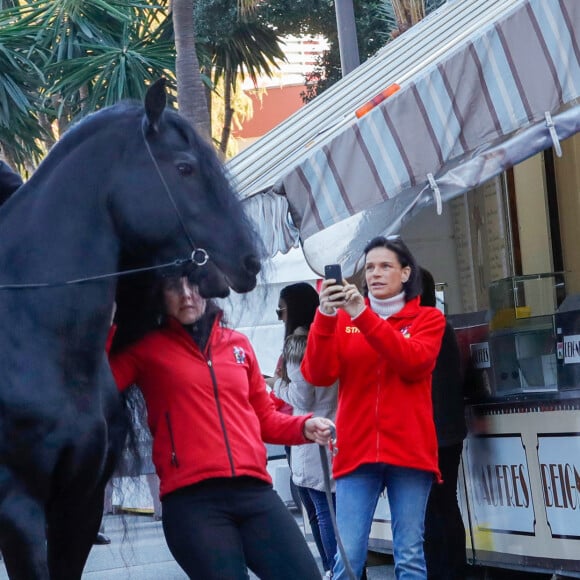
pixel 252 265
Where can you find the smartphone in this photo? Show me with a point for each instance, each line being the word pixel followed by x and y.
pixel 333 271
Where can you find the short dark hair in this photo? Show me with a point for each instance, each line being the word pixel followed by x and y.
pixel 428 294
pixel 301 304
pixel 412 287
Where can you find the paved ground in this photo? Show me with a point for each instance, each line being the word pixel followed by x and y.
pixel 138 552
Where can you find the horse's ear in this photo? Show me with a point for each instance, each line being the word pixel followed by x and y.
pixel 155 101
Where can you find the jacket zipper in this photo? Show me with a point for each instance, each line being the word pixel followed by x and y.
pixel 172 441
pixel 220 414
pixel 377 417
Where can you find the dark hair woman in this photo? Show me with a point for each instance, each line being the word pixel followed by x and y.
pixel 413 283
pixel 208 411
pixel 444 530
pixel 382 350
pixel 298 304
pixel 300 301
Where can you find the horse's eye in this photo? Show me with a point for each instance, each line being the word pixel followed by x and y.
pixel 185 168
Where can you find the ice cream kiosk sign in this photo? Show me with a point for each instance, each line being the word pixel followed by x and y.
pixel 559 459
pixel 498 469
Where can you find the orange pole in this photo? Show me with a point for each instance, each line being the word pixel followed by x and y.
pixel 390 90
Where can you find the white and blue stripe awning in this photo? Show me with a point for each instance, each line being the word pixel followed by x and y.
pixel 484 84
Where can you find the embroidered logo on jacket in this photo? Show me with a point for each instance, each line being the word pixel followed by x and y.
pixel 239 355
pixel 405 331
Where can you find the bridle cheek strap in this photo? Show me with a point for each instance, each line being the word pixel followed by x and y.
pixel 199 256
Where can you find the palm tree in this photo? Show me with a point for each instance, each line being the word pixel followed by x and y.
pixel 20 79
pixel 118 64
pixel 400 15
pixel 191 97
pixel 79 55
pixel 236 46
pixel 62 59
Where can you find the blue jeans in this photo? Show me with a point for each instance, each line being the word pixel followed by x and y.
pixel 356 499
pixel 324 524
pixel 313 521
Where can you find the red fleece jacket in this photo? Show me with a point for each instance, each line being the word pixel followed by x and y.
pixel 208 411
pixel 384 368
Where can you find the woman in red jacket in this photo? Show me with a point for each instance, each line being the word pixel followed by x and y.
pixel 208 411
pixel 382 350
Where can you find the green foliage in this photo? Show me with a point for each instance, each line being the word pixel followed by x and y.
pixel 235 45
pixel 297 17
pixel 63 58
pixel 239 44
pixel 375 22
pixel 20 81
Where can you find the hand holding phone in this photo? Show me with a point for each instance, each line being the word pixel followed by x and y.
pixel 346 296
pixel 334 272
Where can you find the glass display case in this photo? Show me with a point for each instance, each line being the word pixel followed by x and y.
pixel 522 333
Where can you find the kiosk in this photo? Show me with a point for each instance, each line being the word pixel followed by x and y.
pixel 521 459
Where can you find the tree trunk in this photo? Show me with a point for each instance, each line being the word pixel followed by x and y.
pixel 205 71
pixel 408 13
pixel 228 111
pixel 191 98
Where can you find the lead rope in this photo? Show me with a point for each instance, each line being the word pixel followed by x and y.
pixel 327 489
pixel 36 285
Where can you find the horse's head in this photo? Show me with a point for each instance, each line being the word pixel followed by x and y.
pixel 179 203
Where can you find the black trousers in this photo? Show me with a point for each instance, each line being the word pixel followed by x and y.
pixel 220 527
pixel 444 530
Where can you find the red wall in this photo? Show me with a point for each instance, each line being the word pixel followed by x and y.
pixel 274 106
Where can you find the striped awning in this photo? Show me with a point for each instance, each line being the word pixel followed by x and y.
pixel 500 82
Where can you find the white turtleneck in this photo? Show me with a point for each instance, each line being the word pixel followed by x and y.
pixel 385 307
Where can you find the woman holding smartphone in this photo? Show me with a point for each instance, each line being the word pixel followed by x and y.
pixel 382 350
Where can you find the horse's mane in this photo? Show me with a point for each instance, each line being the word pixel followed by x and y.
pixel 131 111
pixel 84 129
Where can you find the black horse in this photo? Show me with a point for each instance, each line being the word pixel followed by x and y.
pixel 129 185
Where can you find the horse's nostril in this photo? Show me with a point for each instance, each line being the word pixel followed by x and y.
pixel 252 265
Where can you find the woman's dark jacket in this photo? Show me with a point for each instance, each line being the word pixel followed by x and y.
pixel 447 392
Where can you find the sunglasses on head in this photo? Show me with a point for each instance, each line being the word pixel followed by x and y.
pixel 279 312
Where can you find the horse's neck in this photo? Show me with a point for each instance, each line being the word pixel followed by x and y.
pixel 56 238
pixel 64 232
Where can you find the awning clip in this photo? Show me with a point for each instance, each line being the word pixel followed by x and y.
pixel 436 193
pixel 553 134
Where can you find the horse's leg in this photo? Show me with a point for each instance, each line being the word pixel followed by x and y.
pixel 22 531
pixel 73 524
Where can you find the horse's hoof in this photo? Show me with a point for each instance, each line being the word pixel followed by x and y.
pixel 102 540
